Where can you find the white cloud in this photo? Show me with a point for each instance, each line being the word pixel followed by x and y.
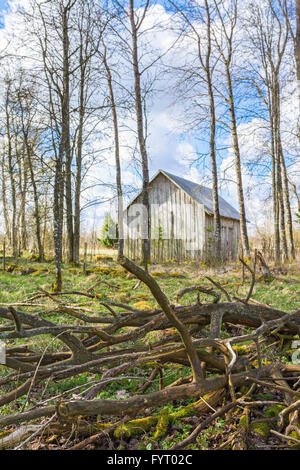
pixel 170 146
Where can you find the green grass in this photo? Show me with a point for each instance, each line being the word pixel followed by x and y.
pixel 282 293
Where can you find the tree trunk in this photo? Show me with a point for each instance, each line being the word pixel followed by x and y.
pixel 23 182
pixel 288 210
pixel 274 185
pixel 278 151
pixel 79 161
pixel 141 138
pixel 66 134
pixel 14 239
pixel 243 221
pixel 212 137
pixel 297 46
pixel 58 203
pixel 117 156
pixel 4 200
pixel 35 198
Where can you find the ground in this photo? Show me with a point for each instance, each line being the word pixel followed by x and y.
pixel 28 276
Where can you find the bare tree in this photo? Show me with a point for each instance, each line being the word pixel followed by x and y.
pixel 193 12
pixel 224 40
pixel 86 50
pixel 58 83
pixel 117 150
pixel 268 34
pixel 30 136
pixel 8 106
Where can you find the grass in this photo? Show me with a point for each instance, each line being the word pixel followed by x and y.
pixel 282 293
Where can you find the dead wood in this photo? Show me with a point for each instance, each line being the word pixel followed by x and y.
pixel 95 344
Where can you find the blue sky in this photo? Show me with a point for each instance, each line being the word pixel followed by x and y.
pixel 3 5
pixel 174 146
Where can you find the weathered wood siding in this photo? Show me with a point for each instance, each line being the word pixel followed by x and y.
pixel 230 237
pixel 179 226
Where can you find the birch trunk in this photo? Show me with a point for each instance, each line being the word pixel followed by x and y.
pixel 141 137
pixel 117 155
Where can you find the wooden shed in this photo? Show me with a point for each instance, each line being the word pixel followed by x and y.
pixel 181 222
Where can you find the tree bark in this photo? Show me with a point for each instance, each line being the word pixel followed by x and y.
pixel 278 151
pixel 141 137
pixel 212 139
pixel 288 210
pixel 243 220
pixel 117 155
pixel 78 179
pixel 14 239
pixel 4 199
pixel 35 197
pixel 297 46
pixel 66 133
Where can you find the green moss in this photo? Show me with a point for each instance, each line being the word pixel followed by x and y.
pixel 192 409
pixel 135 427
pixel 189 410
pixel 141 296
pixel 295 435
pixel 103 258
pixel 162 424
pixel 102 426
pixel 265 396
pixel 160 274
pixel 39 271
pixel 262 429
pixel 142 305
pixel 11 268
pixel 166 274
pixel 34 257
pixel 241 350
pixel 245 422
pixel 103 270
pixel 142 425
pixel 273 411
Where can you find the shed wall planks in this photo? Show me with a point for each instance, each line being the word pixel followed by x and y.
pixel 180 228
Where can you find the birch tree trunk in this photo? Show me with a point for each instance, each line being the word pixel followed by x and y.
pixel 226 53
pixel 212 139
pixel 278 149
pixel 4 199
pixel 288 211
pixel 238 171
pixel 117 154
pixel 66 132
pixel 36 213
pixel 141 137
pixel 14 238
pixel 297 47
pixel 78 179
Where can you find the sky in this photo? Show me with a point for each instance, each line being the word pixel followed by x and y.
pixel 172 148
pixel 3 6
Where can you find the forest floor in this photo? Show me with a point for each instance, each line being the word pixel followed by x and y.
pixel 27 277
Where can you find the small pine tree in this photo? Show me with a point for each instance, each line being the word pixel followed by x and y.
pixel 108 232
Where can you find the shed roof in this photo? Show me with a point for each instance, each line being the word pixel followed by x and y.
pixel 200 194
pixel 203 195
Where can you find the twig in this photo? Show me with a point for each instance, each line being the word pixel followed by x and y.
pixel 222 289
pixel 282 436
pixel 32 436
pixel 93 438
pixel 272 385
pixel 203 425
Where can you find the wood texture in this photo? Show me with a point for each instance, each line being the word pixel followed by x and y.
pixel 180 228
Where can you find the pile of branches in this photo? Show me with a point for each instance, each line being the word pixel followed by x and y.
pixel 205 336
